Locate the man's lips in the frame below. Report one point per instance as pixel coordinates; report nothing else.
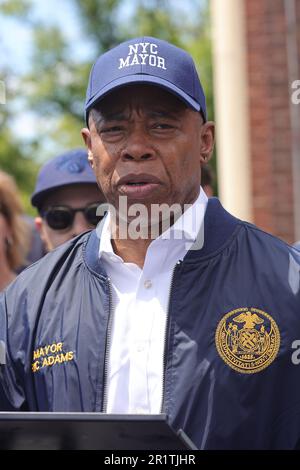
(138, 185)
(136, 178)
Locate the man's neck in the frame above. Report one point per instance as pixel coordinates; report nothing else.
(131, 251)
(134, 250)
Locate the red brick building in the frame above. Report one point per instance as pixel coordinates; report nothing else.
(266, 47)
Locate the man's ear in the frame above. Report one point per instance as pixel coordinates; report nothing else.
(38, 222)
(207, 141)
(86, 135)
(40, 227)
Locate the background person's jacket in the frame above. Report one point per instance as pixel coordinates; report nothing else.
(239, 389)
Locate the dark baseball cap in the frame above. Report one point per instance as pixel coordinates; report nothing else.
(146, 60)
(69, 168)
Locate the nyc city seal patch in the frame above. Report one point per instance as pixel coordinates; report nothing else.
(247, 339)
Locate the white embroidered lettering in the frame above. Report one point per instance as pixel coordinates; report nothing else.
(144, 46)
(152, 60)
(124, 63)
(133, 49)
(139, 55)
(135, 60)
(161, 63)
(153, 48)
(143, 57)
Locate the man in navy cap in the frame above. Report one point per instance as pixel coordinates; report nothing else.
(66, 196)
(184, 310)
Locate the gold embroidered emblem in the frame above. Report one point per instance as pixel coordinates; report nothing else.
(247, 339)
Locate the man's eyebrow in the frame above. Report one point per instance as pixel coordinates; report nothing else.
(123, 115)
(113, 116)
(173, 114)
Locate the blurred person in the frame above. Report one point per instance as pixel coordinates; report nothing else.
(66, 196)
(14, 231)
(207, 180)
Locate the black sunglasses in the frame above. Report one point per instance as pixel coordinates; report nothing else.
(62, 217)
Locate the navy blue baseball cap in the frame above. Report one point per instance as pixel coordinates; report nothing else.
(146, 60)
(69, 168)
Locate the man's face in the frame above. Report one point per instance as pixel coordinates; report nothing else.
(147, 145)
(74, 196)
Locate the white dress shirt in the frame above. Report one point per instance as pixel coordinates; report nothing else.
(140, 307)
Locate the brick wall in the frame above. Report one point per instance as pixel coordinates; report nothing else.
(269, 101)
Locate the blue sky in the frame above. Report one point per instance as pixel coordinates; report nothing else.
(16, 36)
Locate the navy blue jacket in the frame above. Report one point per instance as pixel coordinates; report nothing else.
(231, 380)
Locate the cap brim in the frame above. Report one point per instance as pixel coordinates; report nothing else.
(142, 78)
(38, 198)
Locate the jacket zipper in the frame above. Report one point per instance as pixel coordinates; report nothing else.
(108, 341)
(166, 337)
(107, 348)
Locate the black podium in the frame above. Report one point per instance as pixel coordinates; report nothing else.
(89, 431)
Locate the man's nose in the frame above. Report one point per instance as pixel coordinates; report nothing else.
(80, 224)
(138, 146)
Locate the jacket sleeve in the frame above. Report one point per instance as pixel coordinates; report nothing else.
(12, 397)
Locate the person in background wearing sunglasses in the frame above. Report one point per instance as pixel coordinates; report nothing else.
(66, 196)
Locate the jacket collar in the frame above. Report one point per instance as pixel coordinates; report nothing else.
(219, 226)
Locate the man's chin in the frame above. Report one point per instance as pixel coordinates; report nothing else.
(150, 214)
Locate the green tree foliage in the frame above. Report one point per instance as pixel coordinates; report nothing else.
(14, 161)
(54, 88)
(15, 156)
(100, 21)
(157, 18)
(19, 8)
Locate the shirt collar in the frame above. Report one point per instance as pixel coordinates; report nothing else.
(186, 226)
(190, 222)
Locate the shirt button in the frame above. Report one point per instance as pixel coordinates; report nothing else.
(140, 348)
(147, 284)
